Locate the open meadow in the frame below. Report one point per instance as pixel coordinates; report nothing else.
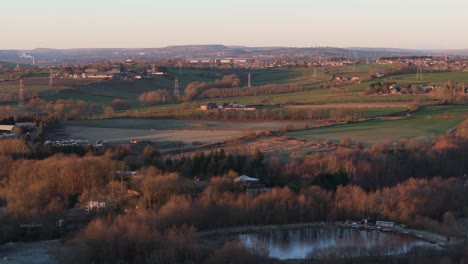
(373, 131)
(167, 132)
(442, 110)
(166, 139)
(316, 97)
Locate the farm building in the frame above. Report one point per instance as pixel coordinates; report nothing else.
(240, 60)
(199, 60)
(252, 185)
(94, 204)
(239, 107)
(6, 128)
(246, 179)
(209, 106)
(224, 61)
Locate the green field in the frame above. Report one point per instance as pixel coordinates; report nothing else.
(71, 94)
(36, 89)
(101, 91)
(104, 91)
(382, 130)
(186, 125)
(315, 97)
(420, 127)
(167, 132)
(291, 76)
(442, 110)
(440, 77)
(163, 137)
(407, 79)
(383, 111)
(12, 65)
(125, 89)
(302, 77)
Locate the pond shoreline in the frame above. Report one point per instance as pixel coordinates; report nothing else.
(414, 233)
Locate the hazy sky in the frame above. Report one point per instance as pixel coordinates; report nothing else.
(28, 24)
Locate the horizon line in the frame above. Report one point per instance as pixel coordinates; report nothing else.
(236, 46)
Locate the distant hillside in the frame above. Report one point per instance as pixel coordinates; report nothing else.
(7, 64)
(76, 56)
(12, 64)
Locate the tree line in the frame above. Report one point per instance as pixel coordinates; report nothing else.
(407, 182)
(178, 221)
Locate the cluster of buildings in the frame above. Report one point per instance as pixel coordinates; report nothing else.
(226, 107)
(430, 62)
(354, 79)
(72, 142)
(12, 73)
(116, 72)
(263, 62)
(9, 131)
(67, 142)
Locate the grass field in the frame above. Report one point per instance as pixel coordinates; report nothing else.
(301, 77)
(103, 92)
(125, 89)
(370, 109)
(440, 77)
(68, 94)
(321, 97)
(382, 130)
(167, 132)
(186, 125)
(187, 131)
(442, 110)
(36, 89)
(297, 76)
(124, 135)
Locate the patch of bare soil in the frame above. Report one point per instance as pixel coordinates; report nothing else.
(283, 145)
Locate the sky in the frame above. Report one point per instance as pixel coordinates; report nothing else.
(413, 24)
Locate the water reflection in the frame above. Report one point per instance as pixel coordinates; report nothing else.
(336, 242)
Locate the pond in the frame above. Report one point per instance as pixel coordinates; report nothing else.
(317, 243)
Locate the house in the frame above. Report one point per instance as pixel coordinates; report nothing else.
(252, 185)
(6, 128)
(95, 204)
(394, 89)
(239, 107)
(209, 106)
(157, 73)
(380, 75)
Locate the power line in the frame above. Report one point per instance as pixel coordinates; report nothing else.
(51, 79)
(21, 96)
(419, 72)
(176, 88)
